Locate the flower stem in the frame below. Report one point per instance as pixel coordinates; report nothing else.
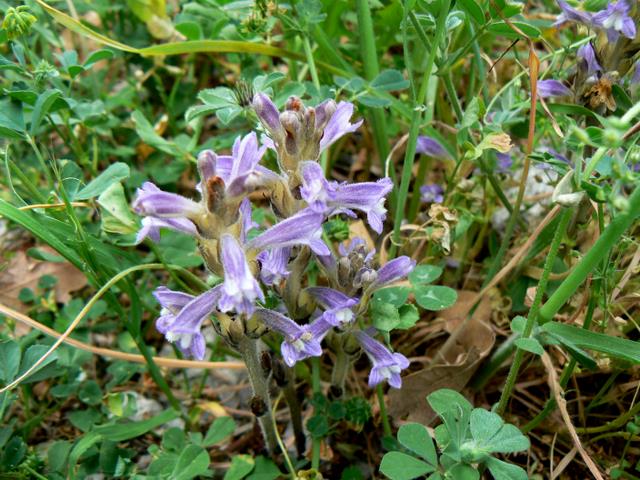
(340, 370)
(416, 118)
(386, 425)
(315, 387)
(533, 311)
(261, 401)
(371, 71)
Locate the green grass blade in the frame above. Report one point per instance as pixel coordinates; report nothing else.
(615, 347)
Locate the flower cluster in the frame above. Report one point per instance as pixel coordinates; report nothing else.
(274, 260)
(603, 60)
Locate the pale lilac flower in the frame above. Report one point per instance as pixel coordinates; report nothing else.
(300, 341)
(338, 306)
(552, 88)
(182, 316)
(386, 365)
(615, 20)
(268, 112)
(505, 162)
(152, 202)
(332, 198)
(635, 78)
(394, 270)
(240, 289)
(151, 227)
(430, 146)
(239, 171)
(303, 228)
(589, 62)
(274, 265)
(571, 14)
(432, 193)
(247, 222)
(339, 124)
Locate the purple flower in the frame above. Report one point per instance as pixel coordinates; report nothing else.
(571, 14)
(635, 78)
(394, 270)
(300, 341)
(588, 59)
(182, 316)
(274, 265)
(153, 202)
(430, 146)
(552, 88)
(240, 170)
(505, 162)
(240, 289)
(151, 227)
(301, 132)
(267, 111)
(247, 222)
(385, 364)
(615, 20)
(338, 125)
(432, 193)
(332, 198)
(303, 228)
(338, 306)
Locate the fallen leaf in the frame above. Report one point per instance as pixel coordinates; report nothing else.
(473, 345)
(25, 272)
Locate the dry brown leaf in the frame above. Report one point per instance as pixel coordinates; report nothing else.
(472, 346)
(24, 272)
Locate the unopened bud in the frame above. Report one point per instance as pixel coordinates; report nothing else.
(258, 406)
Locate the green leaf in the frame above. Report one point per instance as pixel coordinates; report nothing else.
(98, 55)
(508, 440)
(114, 173)
(416, 438)
(423, 274)
(9, 360)
(395, 296)
(435, 297)
(518, 324)
(390, 80)
(33, 223)
(530, 345)
(318, 426)
(445, 399)
(116, 213)
(46, 369)
(149, 136)
(385, 316)
(484, 424)
(192, 462)
(400, 466)
(501, 28)
(121, 431)
(241, 466)
(41, 108)
(615, 347)
(265, 469)
(409, 316)
(473, 9)
(220, 429)
(373, 102)
(463, 472)
(505, 471)
(90, 393)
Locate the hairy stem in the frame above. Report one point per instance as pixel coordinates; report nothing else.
(261, 401)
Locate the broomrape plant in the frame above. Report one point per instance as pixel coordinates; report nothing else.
(254, 264)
